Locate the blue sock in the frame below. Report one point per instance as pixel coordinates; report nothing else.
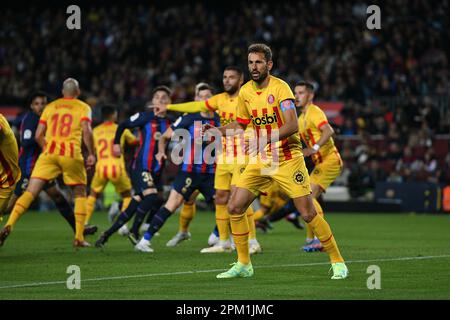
(157, 222)
(123, 218)
(216, 231)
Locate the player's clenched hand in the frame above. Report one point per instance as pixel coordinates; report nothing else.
(160, 157)
(308, 151)
(90, 161)
(117, 152)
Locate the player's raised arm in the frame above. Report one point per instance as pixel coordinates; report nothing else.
(189, 107)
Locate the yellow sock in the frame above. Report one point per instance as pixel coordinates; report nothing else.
(223, 221)
(251, 223)
(186, 215)
(309, 231)
(125, 203)
(80, 217)
(323, 231)
(90, 208)
(239, 229)
(22, 205)
(258, 215)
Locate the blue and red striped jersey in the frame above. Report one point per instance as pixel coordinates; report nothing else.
(29, 149)
(150, 128)
(194, 153)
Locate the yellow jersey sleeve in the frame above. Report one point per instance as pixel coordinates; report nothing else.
(213, 103)
(129, 137)
(243, 116)
(318, 118)
(45, 114)
(86, 114)
(189, 107)
(284, 92)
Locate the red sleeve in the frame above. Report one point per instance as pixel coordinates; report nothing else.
(243, 121)
(209, 106)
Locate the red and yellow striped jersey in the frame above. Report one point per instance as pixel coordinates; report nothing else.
(261, 107)
(63, 118)
(226, 108)
(107, 164)
(9, 156)
(309, 124)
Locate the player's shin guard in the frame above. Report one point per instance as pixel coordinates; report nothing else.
(90, 205)
(80, 217)
(144, 206)
(22, 205)
(309, 231)
(66, 211)
(323, 231)
(157, 222)
(186, 215)
(251, 223)
(223, 221)
(239, 230)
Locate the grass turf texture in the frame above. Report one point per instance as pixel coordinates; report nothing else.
(39, 250)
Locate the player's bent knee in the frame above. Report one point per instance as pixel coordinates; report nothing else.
(235, 209)
(222, 197)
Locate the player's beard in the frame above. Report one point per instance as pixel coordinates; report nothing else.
(261, 77)
(232, 90)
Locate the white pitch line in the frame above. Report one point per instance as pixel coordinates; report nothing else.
(38, 284)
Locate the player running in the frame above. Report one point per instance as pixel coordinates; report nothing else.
(62, 125)
(28, 154)
(202, 93)
(196, 171)
(228, 167)
(316, 133)
(9, 166)
(146, 171)
(267, 103)
(109, 167)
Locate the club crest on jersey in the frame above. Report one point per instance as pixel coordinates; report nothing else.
(298, 177)
(265, 119)
(270, 99)
(157, 135)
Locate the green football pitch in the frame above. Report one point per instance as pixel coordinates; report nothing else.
(411, 251)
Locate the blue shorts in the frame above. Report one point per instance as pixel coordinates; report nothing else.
(143, 180)
(187, 182)
(22, 184)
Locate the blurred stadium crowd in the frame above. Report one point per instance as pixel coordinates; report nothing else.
(394, 82)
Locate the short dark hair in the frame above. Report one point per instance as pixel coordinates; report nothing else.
(261, 48)
(202, 86)
(235, 69)
(35, 95)
(309, 86)
(108, 110)
(166, 89)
